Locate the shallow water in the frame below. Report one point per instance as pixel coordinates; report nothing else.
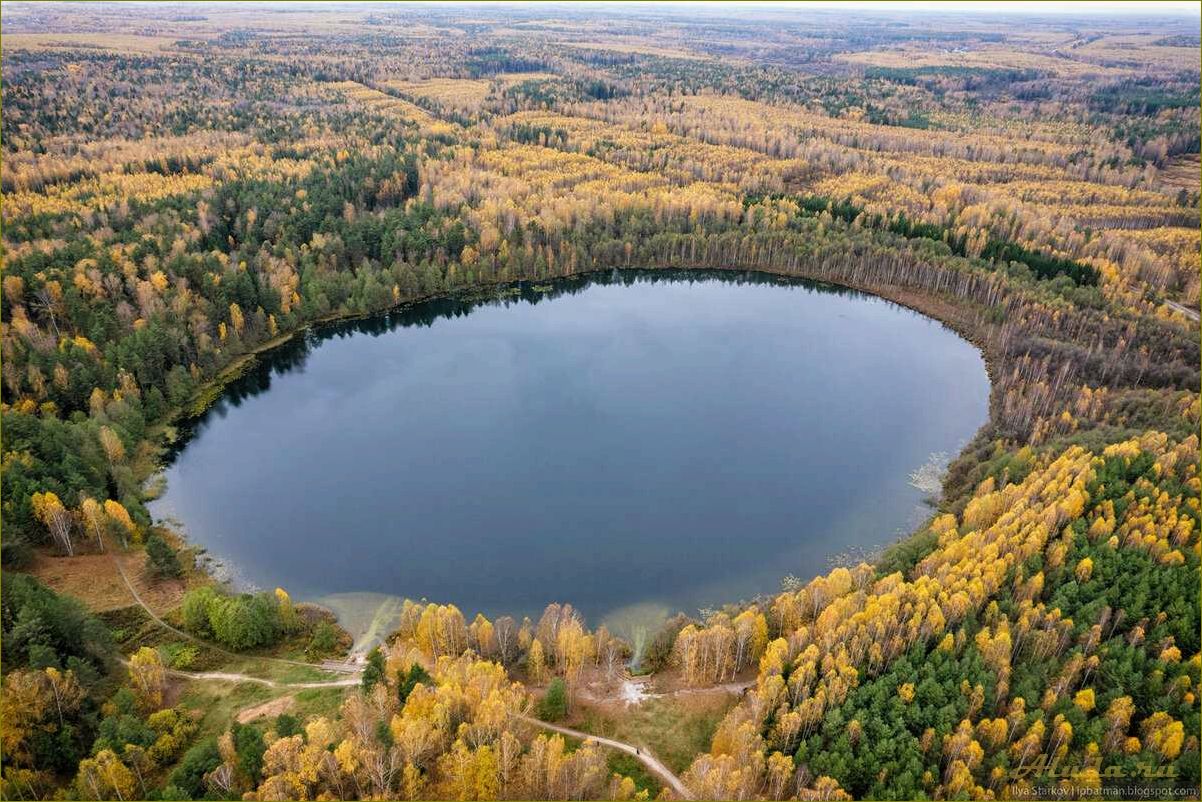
(674, 440)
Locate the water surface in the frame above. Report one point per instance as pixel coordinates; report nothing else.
(677, 440)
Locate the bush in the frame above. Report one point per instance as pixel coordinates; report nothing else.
(15, 552)
(249, 746)
(179, 655)
(195, 610)
(373, 672)
(323, 640)
(42, 656)
(286, 725)
(236, 622)
(161, 559)
(554, 705)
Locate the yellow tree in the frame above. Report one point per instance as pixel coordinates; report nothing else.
(1118, 719)
(751, 636)
(237, 318)
(780, 775)
(50, 511)
(1163, 734)
(114, 449)
(440, 630)
(481, 632)
(288, 616)
(536, 663)
(93, 516)
(1084, 570)
(118, 514)
(105, 777)
(24, 705)
(573, 648)
(148, 678)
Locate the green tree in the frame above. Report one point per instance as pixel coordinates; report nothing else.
(161, 558)
(408, 680)
(249, 745)
(373, 672)
(244, 622)
(554, 704)
(323, 640)
(198, 761)
(195, 610)
(41, 625)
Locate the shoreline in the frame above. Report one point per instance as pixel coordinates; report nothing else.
(945, 312)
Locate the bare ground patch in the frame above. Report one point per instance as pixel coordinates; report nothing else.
(94, 580)
(269, 709)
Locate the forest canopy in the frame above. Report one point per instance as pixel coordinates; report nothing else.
(186, 186)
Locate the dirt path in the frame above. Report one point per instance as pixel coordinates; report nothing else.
(224, 676)
(649, 760)
(736, 688)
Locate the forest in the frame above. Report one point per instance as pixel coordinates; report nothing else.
(187, 186)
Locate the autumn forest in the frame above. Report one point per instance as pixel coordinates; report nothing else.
(191, 189)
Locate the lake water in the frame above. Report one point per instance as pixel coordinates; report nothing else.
(631, 440)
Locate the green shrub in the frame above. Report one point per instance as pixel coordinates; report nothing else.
(198, 761)
(161, 559)
(195, 610)
(286, 725)
(179, 655)
(373, 672)
(323, 640)
(554, 704)
(238, 622)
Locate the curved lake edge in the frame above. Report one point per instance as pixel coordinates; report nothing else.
(929, 306)
(214, 389)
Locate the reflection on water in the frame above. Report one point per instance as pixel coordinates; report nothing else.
(632, 450)
(292, 355)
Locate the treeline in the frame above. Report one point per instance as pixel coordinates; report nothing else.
(1044, 266)
(203, 310)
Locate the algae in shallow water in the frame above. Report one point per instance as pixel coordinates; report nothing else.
(369, 617)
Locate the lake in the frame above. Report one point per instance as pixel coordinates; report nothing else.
(628, 440)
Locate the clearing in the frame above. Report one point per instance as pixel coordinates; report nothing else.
(91, 579)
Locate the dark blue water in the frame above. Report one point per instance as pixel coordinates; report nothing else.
(681, 439)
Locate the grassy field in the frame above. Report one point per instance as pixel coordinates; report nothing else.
(675, 729)
(221, 701)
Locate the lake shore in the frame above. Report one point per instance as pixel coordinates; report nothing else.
(956, 316)
(529, 290)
